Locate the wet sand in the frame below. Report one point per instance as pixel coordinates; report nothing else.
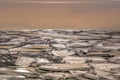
(78, 14)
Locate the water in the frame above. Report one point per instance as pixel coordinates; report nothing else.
(83, 14)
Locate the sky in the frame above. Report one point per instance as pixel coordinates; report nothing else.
(62, 14)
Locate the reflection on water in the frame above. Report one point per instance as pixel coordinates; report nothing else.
(63, 13)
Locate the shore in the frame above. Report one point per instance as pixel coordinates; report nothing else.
(58, 54)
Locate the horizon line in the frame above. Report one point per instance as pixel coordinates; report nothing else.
(60, 2)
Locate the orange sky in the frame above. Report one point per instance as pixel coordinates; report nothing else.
(29, 15)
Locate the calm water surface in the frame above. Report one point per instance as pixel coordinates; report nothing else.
(82, 14)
